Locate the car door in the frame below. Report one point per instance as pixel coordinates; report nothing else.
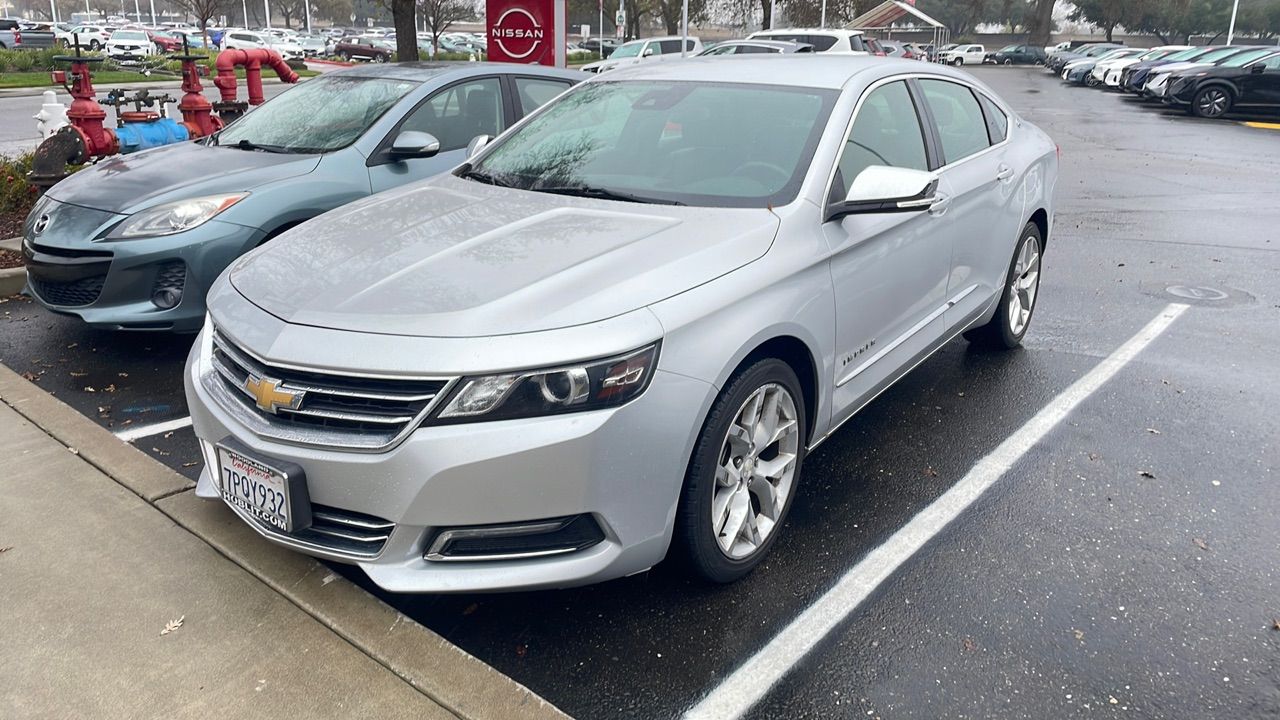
(453, 114)
(985, 214)
(1261, 88)
(889, 270)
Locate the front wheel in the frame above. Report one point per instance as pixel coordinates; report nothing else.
(1018, 301)
(94, 44)
(1212, 102)
(743, 474)
(1091, 80)
(379, 58)
(1008, 61)
(958, 61)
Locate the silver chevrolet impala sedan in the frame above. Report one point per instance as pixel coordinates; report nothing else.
(614, 333)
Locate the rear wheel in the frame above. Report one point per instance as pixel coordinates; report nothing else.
(1018, 302)
(379, 58)
(743, 474)
(1211, 102)
(345, 55)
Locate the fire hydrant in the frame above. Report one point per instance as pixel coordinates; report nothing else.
(52, 115)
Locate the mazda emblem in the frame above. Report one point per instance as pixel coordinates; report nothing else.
(42, 222)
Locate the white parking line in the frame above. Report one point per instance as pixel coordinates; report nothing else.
(754, 678)
(141, 431)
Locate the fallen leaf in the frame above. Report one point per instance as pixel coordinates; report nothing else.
(1079, 635)
(172, 625)
(72, 345)
(77, 374)
(970, 645)
(193, 463)
(1200, 543)
(168, 435)
(109, 388)
(1147, 474)
(73, 451)
(930, 472)
(1153, 431)
(6, 548)
(29, 376)
(1112, 699)
(89, 388)
(122, 374)
(1275, 622)
(1093, 456)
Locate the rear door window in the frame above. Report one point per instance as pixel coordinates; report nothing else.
(536, 92)
(997, 121)
(962, 128)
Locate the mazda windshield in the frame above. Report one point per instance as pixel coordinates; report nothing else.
(680, 143)
(320, 115)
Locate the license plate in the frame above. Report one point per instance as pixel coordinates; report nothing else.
(275, 496)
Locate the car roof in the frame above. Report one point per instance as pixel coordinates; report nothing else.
(428, 70)
(815, 70)
(809, 31)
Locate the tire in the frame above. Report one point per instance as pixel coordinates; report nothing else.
(346, 56)
(1212, 102)
(1001, 332)
(700, 534)
(1008, 61)
(958, 62)
(94, 45)
(379, 58)
(1091, 81)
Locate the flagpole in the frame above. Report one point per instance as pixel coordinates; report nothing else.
(1231, 33)
(684, 27)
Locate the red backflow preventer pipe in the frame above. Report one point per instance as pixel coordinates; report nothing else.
(252, 61)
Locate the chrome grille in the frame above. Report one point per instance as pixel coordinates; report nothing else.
(347, 532)
(363, 413)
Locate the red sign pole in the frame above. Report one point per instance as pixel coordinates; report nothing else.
(526, 31)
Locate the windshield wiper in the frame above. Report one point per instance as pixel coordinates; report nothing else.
(246, 145)
(603, 194)
(483, 177)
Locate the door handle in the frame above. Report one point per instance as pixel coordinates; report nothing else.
(1004, 173)
(940, 204)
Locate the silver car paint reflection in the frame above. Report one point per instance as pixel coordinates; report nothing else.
(713, 284)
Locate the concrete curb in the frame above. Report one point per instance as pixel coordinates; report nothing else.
(12, 280)
(446, 674)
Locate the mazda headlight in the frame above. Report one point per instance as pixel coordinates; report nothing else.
(175, 217)
(572, 388)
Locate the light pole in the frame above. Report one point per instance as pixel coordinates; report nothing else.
(266, 7)
(684, 28)
(153, 12)
(824, 14)
(1231, 32)
(244, 8)
(306, 4)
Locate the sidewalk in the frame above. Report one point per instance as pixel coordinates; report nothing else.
(103, 547)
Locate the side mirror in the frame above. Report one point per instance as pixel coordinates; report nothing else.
(477, 144)
(647, 52)
(1258, 69)
(414, 144)
(883, 189)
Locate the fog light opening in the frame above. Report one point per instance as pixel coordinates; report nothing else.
(515, 541)
(167, 298)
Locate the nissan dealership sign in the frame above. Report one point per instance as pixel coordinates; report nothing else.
(526, 31)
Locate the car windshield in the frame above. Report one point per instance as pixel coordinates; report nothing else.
(128, 35)
(627, 50)
(1245, 58)
(1217, 55)
(707, 144)
(320, 115)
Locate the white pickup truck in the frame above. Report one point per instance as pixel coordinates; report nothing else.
(962, 54)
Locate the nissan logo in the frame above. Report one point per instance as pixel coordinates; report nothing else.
(42, 222)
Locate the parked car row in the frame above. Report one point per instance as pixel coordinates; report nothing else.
(1208, 81)
(555, 357)
(778, 41)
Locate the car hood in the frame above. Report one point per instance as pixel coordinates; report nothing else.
(128, 183)
(1176, 67)
(454, 258)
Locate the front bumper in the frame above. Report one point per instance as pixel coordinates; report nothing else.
(623, 467)
(110, 284)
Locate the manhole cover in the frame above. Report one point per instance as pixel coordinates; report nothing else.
(1196, 292)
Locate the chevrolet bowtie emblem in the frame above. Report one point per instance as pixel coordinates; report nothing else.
(268, 395)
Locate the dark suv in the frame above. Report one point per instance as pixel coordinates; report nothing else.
(1018, 55)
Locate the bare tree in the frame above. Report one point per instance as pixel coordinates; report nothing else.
(202, 10)
(440, 16)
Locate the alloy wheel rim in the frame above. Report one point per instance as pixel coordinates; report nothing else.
(755, 471)
(1213, 103)
(1024, 286)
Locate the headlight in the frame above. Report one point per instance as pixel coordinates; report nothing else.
(573, 388)
(175, 217)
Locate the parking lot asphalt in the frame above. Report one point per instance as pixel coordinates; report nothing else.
(1125, 564)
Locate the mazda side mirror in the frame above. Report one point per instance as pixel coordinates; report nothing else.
(883, 189)
(477, 144)
(414, 144)
(1257, 69)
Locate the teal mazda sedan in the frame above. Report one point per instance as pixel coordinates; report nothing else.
(135, 241)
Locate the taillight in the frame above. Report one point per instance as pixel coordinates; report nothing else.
(17, 37)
